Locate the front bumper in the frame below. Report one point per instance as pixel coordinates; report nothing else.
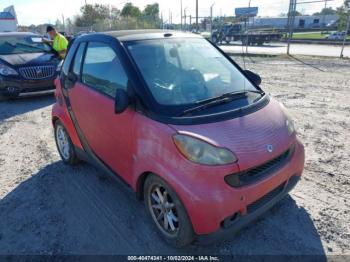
(265, 203)
(210, 201)
(15, 86)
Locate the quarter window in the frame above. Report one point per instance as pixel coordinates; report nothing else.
(102, 69)
(78, 58)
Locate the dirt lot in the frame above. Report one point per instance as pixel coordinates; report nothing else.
(49, 208)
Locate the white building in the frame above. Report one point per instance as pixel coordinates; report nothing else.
(8, 20)
(301, 22)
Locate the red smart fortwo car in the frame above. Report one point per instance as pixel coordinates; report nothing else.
(181, 123)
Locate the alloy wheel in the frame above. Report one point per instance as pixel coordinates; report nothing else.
(163, 210)
(63, 142)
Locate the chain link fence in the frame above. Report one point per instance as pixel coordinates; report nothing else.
(122, 23)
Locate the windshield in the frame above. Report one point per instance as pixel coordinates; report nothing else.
(186, 71)
(18, 44)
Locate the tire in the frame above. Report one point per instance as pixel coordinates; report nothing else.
(180, 233)
(64, 145)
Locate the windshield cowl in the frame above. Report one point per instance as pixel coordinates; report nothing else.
(223, 99)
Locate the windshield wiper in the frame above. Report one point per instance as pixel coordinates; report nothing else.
(230, 94)
(225, 98)
(10, 44)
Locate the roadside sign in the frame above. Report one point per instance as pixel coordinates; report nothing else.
(246, 11)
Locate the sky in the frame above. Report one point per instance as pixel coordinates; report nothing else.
(48, 11)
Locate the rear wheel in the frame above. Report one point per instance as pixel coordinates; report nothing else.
(64, 145)
(167, 212)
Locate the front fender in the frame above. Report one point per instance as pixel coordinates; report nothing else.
(199, 187)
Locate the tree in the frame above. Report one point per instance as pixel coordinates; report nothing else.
(326, 11)
(343, 15)
(152, 10)
(58, 24)
(115, 13)
(90, 14)
(69, 26)
(129, 10)
(295, 13)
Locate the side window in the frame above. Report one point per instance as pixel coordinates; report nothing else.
(78, 58)
(68, 60)
(102, 69)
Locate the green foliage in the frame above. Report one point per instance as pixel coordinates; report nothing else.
(100, 17)
(129, 10)
(343, 15)
(90, 14)
(296, 13)
(327, 11)
(151, 10)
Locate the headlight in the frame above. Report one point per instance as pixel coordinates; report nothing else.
(7, 71)
(201, 152)
(289, 121)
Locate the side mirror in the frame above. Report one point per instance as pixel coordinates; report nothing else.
(255, 78)
(122, 101)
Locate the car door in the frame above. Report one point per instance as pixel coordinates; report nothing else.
(98, 74)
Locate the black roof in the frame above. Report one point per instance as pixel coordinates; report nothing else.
(131, 35)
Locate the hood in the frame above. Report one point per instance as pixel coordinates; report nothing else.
(28, 58)
(248, 136)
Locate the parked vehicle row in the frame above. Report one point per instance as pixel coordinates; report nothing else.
(192, 133)
(236, 32)
(336, 36)
(26, 64)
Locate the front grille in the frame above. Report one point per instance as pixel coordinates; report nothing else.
(265, 199)
(255, 174)
(37, 72)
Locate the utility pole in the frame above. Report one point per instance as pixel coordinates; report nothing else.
(346, 34)
(291, 20)
(324, 15)
(185, 19)
(211, 20)
(197, 26)
(247, 18)
(63, 23)
(169, 18)
(190, 22)
(181, 15)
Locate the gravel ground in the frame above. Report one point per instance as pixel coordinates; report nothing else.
(49, 208)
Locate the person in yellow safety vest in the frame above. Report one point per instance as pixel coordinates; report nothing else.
(58, 42)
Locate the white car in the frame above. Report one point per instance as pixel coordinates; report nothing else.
(336, 36)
